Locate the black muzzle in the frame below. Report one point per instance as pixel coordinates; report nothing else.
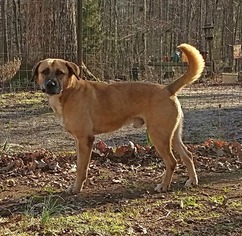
(51, 87)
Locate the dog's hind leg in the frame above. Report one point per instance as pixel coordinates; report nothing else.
(185, 155)
(162, 143)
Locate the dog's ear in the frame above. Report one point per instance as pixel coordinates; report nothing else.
(73, 69)
(35, 70)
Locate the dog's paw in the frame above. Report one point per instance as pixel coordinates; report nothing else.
(191, 183)
(73, 189)
(158, 188)
(161, 189)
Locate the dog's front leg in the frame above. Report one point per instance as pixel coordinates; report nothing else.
(84, 149)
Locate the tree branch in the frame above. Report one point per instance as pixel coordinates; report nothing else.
(87, 74)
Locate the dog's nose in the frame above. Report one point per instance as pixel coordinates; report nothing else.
(51, 83)
(51, 87)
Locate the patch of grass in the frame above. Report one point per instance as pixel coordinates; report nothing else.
(188, 214)
(101, 223)
(25, 223)
(52, 216)
(148, 139)
(227, 189)
(235, 205)
(49, 189)
(90, 222)
(5, 146)
(21, 98)
(51, 206)
(44, 208)
(190, 202)
(104, 175)
(218, 200)
(207, 215)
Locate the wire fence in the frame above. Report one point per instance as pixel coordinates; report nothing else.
(121, 40)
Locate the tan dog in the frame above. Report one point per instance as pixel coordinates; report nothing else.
(87, 108)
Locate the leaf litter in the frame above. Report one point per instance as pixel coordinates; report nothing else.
(211, 155)
(116, 167)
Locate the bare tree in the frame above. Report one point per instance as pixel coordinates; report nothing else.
(117, 35)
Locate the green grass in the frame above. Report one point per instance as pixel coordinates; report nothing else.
(85, 223)
(5, 146)
(218, 200)
(52, 220)
(49, 189)
(236, 205)
(50, 207)
(45, 208)
(21, 97)
(52, 215)
(190, 202)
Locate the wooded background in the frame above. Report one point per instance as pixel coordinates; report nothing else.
(118, 35)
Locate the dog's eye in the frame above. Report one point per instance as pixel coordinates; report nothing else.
(46, 71)
(59, 73)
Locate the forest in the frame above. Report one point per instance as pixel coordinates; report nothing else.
(118, 35)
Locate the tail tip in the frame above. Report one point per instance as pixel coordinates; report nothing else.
(191, 50)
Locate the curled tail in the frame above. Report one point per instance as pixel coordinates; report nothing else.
(195, 68)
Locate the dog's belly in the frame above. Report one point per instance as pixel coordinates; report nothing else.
(112, 126)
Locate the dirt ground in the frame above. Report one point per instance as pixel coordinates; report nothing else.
(30, 131)
(122, 185)
(210, 112)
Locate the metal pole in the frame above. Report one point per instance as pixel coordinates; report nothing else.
(79, 32)
(210, 56)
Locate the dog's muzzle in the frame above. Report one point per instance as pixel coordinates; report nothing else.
(51, 87)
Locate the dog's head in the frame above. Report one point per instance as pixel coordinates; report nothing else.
(52, 75)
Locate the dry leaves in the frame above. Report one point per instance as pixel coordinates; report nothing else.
(212, 155)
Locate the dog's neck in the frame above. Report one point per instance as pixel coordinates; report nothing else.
(55, 104)
(73, 83)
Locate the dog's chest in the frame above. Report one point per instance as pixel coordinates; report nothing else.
(55, 104)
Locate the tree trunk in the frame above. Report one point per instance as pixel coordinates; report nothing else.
(4, 26)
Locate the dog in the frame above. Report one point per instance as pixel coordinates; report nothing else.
(87, 108)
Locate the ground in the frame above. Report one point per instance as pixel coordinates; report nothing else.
(210, 112)
(119, 197)
(37, 164)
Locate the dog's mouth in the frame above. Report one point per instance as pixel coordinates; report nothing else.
(51, 87)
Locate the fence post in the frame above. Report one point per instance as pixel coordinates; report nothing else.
(79, 34)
